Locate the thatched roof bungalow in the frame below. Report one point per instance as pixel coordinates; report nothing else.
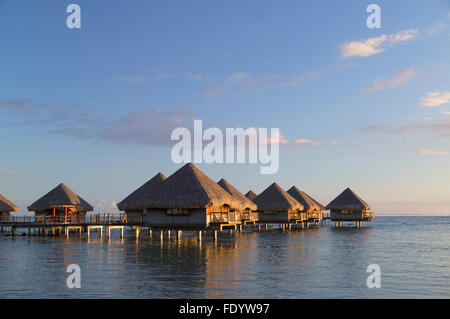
(245, 203)
(275, 205)
(187, 198)
(134, 204)
(247, 206)
(6, 207)
(251, 195)
(60, 201)
(312, 207)
(348, 206)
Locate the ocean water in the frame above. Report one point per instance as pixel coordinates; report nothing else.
(327, 262)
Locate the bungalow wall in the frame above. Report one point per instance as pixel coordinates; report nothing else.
(345, 215)
(160, 218)
(279, 217)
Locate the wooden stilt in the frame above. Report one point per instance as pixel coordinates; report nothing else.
(199, 237)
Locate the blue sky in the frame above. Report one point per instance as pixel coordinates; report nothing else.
(94, 107)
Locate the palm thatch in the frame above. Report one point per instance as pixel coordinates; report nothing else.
(308, 203)
(189, 187)
(251, 195)
(274, 198)
(136, 200)
(60, 196)
(244, 201)
(348, 200)
(6, 206)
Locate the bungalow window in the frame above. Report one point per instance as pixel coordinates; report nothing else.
(177, 211)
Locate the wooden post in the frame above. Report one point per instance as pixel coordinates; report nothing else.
(54, 214)
(199, 235)
(121, 232)
(215, 235)
(150, 232)
(137, 232)
(179, 232)
(162, 235)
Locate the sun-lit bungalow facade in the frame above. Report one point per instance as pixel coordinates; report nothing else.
(6, 208)
(275, 205)
(61, 202)
(247, 212)
(188, 199)
(348, 206)
(312, 208)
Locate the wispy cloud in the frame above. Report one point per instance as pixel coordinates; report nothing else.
(194, 77)
(428, 152)
(151, 127)
(306, 142)
(13, 172)
(433, 99)
(372, 46)
(397, 80)
(245, 82)
(439, 128)
(436, 28)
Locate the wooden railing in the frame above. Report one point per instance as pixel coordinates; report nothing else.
(84, 219)
(315, 215)
(225, 218)
(249, 216)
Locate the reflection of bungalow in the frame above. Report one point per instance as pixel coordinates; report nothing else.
(275, 205)
(312, 208)
(349, 207)
(186, 199)
(247, 206)
(6, 208)
(251, 195)
(134, 205)
(61, 201)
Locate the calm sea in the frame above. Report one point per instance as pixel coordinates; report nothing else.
(412, 252)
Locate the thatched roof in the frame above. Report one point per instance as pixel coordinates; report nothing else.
(251, 195)
(6, 205)
(60, 196)
(244, 201)
(137, 199)
(308, 203)
(347, 200)
(189, 187)
(275, 198)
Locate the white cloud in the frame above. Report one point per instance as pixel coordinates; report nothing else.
(399, 79)
(372, 46)
(428, 152)
(436, 99)
(305, 141)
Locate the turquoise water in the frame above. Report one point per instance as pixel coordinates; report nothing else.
(412, 252)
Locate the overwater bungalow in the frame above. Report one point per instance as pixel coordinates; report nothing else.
(251, 195)
(312, 208)
(187, 199)
(247, 212)
(349, 207)
(61, 202)
(134, 204)
(6, 208)
(276, 206)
